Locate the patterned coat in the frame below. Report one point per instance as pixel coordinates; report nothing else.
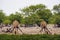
(15, 23)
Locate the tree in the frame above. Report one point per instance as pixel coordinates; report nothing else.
(17, 16)
(22, 21)
(54, 19)
(37, 11)
(56, 8)
(7, 22)
(28, 10)
(2, 16)
(44, 14)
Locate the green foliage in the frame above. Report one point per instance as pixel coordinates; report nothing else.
(29, 37)
(57, 8)
(22, 21)
(45, 14)
(16, 16)
(2, 16)
(33, 8)
(37, 12)
(54, 19)
(33, 14)
(7, 22)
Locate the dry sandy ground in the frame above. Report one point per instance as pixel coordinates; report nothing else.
(35, 30)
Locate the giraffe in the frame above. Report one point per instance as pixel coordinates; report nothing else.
(15, 27)
(43, 25)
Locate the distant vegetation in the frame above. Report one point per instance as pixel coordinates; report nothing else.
(33, 15)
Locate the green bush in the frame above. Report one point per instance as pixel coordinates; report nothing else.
(7, 21)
